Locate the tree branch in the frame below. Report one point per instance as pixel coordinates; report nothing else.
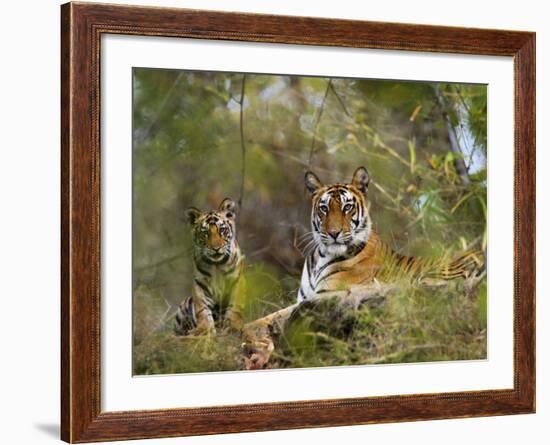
(455, 147)
(258, 335)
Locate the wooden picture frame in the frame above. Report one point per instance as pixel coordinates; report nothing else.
(82, 26)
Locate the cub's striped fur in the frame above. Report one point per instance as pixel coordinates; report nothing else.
(348, 252)
(218, 292)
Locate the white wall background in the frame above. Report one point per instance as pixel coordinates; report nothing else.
(29, 219)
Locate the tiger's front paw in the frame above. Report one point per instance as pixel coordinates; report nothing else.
(257, 346)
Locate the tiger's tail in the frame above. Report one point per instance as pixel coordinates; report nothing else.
(467, 265)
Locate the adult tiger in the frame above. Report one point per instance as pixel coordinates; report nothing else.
(218, 291)
(349, 253)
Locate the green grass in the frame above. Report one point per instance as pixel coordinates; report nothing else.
(413, 325)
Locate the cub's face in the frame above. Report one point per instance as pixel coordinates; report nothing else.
(339, 212)
(214, 231)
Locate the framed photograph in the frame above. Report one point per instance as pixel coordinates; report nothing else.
(275, 222)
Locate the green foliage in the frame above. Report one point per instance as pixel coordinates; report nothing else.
(188, 151)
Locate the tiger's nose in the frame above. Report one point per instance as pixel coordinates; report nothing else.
(334, 234)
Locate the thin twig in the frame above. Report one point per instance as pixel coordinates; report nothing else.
(162, 319)
(340, 100)
(281, 154)
(319, 115)
(243, 147)
(164, 261)
(289, 270)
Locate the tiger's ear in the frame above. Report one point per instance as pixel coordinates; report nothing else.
(192, 214)
(228, 206)
(361, 179)
(312, 182)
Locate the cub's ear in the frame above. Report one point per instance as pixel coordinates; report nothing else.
(228, 206)
(312, 182)
(192, 214)
(361, 179)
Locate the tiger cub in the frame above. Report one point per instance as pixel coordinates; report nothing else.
(348, 252)
(218, 291)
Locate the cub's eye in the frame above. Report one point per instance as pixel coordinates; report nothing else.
(323, 208)
(348, 207)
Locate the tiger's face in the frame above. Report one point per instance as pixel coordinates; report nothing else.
(340, 212)
(214, 231)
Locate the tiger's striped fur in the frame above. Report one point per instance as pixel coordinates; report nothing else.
(349, 253)
(218, 291)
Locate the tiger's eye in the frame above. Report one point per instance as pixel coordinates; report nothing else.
(348, 208)
(323, 208)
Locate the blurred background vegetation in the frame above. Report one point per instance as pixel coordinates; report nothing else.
(201, 136)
